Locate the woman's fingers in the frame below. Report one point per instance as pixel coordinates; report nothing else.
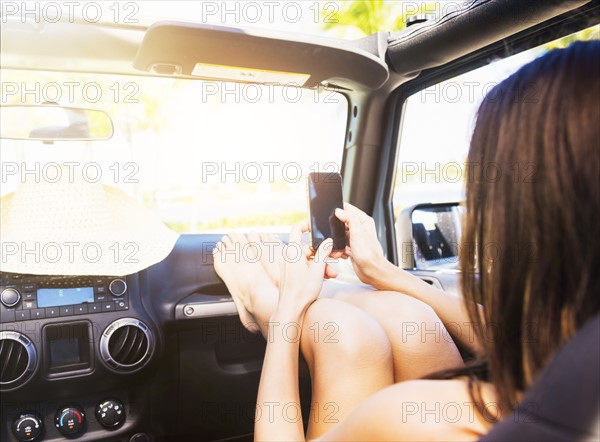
(295, 235)
(330, 273)
(341, 215)
(297, 231)
(322, 254)
(354, 214)
(351, 216)
(295, 239)
(308, 252)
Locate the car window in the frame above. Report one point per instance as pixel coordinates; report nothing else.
(438, 122)
(437, 125)
(204, 155)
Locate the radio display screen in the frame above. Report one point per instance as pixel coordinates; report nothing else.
(64, 296)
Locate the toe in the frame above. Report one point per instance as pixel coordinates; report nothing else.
(226, 240)
(248, 320)
(253, 237)
(269, 238)
(238, 238)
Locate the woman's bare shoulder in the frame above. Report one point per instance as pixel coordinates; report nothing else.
(417, 410)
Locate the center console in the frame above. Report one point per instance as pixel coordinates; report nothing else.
(86, 342)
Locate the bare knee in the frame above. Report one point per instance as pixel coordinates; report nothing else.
(405, 317)
(337, 330)
(420, 341)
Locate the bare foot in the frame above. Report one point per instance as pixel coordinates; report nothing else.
(237, 262)
(271, 254)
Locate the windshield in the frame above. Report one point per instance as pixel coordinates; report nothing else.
(345, 19)
(204, 155)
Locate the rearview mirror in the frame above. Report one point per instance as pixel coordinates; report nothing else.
(51, 122)
(429, 236)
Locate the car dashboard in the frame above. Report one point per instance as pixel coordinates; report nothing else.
(119, 357)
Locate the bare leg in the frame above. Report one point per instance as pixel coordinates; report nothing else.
(420, 342)
(372, 338)
(349, 357)
(337, 338)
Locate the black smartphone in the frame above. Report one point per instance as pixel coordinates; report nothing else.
(324, 196)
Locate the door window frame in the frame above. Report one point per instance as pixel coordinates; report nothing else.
(542, 33)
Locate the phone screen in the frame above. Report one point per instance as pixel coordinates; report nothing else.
(325, 195)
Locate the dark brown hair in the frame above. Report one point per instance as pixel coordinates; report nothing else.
(530, 250)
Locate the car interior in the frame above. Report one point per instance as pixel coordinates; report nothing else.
(158, 352)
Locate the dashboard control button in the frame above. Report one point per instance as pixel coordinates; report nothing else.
(121, 305)
(27, 427)
(95, 307)
(29, 296)
(117, 287)
(29, 305)
(38, 313)
(80, 309)
(7, 315)
(69, 420)
(29, 287)
(66, 310)
(110, 413)
(108, 306)
(22, 315)
(10, 297)
(52, 312)
(101, 298)
(101, 289)
(140, 437)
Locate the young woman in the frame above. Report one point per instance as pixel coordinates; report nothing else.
(520, 304)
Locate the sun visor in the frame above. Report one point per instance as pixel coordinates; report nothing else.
(231, 54)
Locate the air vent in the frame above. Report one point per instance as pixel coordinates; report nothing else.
(18, 359)
(126, 345)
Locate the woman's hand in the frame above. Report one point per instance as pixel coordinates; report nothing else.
(301, 276)
(362, 245)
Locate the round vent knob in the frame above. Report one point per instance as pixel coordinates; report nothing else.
(126, 345)
(117, 287)
(10, 297)
(18, 359)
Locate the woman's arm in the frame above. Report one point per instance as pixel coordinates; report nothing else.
(374, 269)
(279, 416)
